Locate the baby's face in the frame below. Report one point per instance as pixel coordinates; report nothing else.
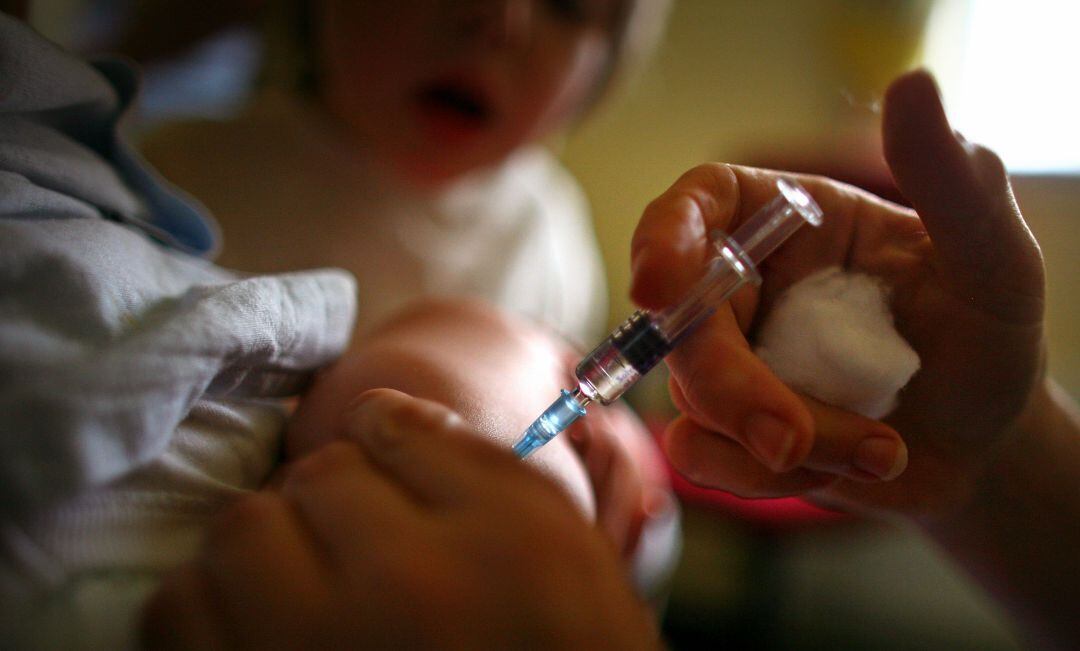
(437, 88)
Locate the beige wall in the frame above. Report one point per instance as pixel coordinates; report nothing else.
(1051, 206)
(741, 76)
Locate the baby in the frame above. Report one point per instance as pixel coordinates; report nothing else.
(142, 386)
(400, 141)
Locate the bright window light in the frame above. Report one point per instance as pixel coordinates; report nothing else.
(1009, 72)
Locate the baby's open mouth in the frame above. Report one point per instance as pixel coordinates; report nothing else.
(453, 100)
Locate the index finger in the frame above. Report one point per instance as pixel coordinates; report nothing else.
(433, 453)
(671, 244)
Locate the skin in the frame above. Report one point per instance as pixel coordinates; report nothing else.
(535, 63)
(382, 546)
(498, 372)
(395, 535)
(982, 451)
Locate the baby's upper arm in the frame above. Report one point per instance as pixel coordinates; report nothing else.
(497, 371)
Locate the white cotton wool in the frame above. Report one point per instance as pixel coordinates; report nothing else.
(831, 336)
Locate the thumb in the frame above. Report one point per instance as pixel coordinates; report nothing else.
(962, 194)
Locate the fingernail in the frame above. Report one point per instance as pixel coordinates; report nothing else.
(655, 503)
(359, 403)
(369, 427)
(884, 458)
(771, 439)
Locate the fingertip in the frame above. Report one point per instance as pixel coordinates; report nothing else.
(670, 242)
(915, 89)
(359, 408)
(913, 83)
(385, 421)
(883, 457)
(914, 120)
(662, 270)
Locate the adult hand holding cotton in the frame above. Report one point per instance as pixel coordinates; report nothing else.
(963, 279)
(993, 447)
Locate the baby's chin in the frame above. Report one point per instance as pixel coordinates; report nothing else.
(446, 168)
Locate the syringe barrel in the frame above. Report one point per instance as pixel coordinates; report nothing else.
(646, 338)
(622, 358)
(726, 273)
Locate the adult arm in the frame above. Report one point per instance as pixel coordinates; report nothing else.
(1018, 533)
(979, 451)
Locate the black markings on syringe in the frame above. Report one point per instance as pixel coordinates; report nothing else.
(641, 342)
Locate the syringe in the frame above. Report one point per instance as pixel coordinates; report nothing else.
(645, 338)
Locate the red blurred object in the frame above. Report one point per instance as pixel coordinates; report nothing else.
(781, 513)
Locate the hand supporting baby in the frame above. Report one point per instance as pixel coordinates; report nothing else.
(406, 531)
(432, 513)
(500, 373)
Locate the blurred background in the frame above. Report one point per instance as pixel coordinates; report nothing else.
(790, 84)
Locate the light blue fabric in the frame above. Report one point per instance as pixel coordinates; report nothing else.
(109, 329)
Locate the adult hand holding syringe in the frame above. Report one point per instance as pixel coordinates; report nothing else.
(992, 445)
(742, 428)
(636, 346)
(966, 285)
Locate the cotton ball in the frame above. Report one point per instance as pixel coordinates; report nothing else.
(831, 336)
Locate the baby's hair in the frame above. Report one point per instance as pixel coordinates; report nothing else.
(290, 45)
